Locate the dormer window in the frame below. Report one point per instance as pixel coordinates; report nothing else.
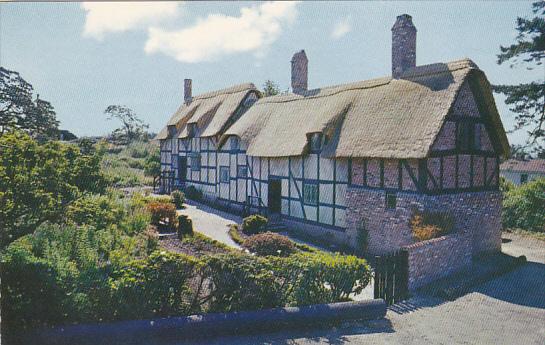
(315, 142)
(191, 129)
(171, 131)
(235, 144)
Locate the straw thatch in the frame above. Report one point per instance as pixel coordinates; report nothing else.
(210, 111)
(386, 118)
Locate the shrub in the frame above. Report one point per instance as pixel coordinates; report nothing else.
(242, 282)
(162, 214)
(155, 286)
(193, 193)
(269, 243)
(178, 198)
(523, 207)
(185, 226)
(235, 234)
(428, 225)
(254, 224)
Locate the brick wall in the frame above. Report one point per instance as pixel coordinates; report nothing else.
(437, 258)
(477, 214)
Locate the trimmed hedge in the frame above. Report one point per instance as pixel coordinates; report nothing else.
(269, 243)
(193, 193)
(162, 214)
(254, 224)
(166, 284)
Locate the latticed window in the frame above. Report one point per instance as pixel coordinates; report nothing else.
(242, 171)
(224, 174)
(310, 193)
(195, 161)
(466, 136)
(315, 142)
(235, 143)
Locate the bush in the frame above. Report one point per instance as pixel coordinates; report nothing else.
(162, 214)
(254, 224)
(185, 226)
(428, 225)
(152, 287)
(193, 193)
(242, 282)
(524, 206)
(235, 235)
(269, 243)
(178, 198)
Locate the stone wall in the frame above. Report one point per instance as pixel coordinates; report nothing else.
(477, 214)
(437, 258)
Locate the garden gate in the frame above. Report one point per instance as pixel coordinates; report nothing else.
(392, 276)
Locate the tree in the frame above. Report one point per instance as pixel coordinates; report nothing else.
(270, 88)
(132, 127)
(152, 165)
(519, 152)
(18, 109)
(527, 100)
(39, 181)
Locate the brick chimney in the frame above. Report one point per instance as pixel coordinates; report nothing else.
(299, 72)
(187, 91)
(403, 45)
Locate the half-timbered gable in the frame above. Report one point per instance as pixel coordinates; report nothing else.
(189, 141)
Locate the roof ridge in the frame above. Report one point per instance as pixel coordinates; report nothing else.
(418, 71)
(225, 91)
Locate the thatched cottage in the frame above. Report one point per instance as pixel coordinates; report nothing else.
(354, 160)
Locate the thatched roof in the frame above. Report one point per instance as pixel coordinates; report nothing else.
(386, 118)
(210, 111)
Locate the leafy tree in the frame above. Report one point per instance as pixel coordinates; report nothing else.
(519, 152)
(270, 88)
(38, 182)
(18, 109)
(527, 100)
(131, 126)
(152, 165)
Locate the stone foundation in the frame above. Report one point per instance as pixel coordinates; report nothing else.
(477, 214)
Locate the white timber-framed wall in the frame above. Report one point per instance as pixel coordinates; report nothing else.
(324, 179)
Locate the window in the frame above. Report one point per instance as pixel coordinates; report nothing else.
(242, 171)
(315, 142)
(224, 174)
(195, 161)
(191, 129)
(391, 200)
(466, 136)
(310, 193)
(171, 131)
(477, 141)
(234, 143)
(523, 178)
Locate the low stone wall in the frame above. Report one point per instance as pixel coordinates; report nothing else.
(437, 258)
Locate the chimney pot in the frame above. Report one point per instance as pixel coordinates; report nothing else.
(403, 45)
(299, 72)
(187, 91)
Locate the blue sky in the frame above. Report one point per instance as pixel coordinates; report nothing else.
(84, 57)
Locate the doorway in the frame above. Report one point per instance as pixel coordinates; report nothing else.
(182, 169)
(275, 195)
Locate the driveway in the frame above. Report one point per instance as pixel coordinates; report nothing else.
(507, 310)
(211, 222)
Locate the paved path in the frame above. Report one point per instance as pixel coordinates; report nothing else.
(211, 222)
(506, 310)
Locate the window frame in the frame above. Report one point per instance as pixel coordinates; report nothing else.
(390, 200)
(306, 194)
(239, 175)
(235, 144)
(195, 157)
(224, 168)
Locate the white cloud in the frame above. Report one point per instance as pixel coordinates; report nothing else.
(341, 28)
(254, 30)
(105, 17)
